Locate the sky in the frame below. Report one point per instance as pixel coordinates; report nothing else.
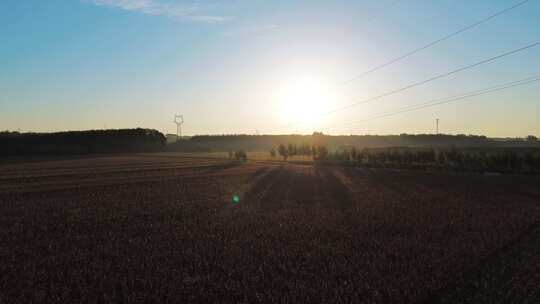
(276, 67)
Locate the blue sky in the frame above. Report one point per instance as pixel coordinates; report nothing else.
(91, 64)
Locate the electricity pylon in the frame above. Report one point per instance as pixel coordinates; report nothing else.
(178, 120)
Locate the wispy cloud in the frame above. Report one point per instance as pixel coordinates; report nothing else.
(186, 10)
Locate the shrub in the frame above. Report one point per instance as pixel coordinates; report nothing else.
(240, 155)
(283, 151)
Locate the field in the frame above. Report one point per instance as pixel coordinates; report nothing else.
(163, 227)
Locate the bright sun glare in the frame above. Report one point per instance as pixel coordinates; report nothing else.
(304, 99)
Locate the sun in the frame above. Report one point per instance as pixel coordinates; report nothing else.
(304, 99)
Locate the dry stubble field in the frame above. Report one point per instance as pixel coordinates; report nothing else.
(163, 228)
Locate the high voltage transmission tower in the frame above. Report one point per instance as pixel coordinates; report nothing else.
(179, 121)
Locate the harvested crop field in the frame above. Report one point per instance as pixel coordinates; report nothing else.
(164, 228)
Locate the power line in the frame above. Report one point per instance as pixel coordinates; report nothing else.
(470, 66)
(435, 77)
(430, 44)
(476, 92)
(418, 83)
(452, 99)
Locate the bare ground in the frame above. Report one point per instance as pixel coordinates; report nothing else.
(164, 229)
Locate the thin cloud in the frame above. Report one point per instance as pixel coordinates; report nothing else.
(187, 10)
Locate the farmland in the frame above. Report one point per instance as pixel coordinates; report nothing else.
(162, 227)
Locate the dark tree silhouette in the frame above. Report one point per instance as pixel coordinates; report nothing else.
(81, 142)
(240, 155)
(272, 153)
(283, 151)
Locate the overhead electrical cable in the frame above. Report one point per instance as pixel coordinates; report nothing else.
(450, 99)
(432, 43)
(433, 78)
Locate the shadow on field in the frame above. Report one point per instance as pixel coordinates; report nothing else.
(293, 186)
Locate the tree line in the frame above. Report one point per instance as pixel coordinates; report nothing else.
(503, 160)
(239, 155)
(233, 142)
(81, 142)
(509, 160)
(304, 150)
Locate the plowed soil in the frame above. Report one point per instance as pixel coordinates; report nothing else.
(164, 228)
